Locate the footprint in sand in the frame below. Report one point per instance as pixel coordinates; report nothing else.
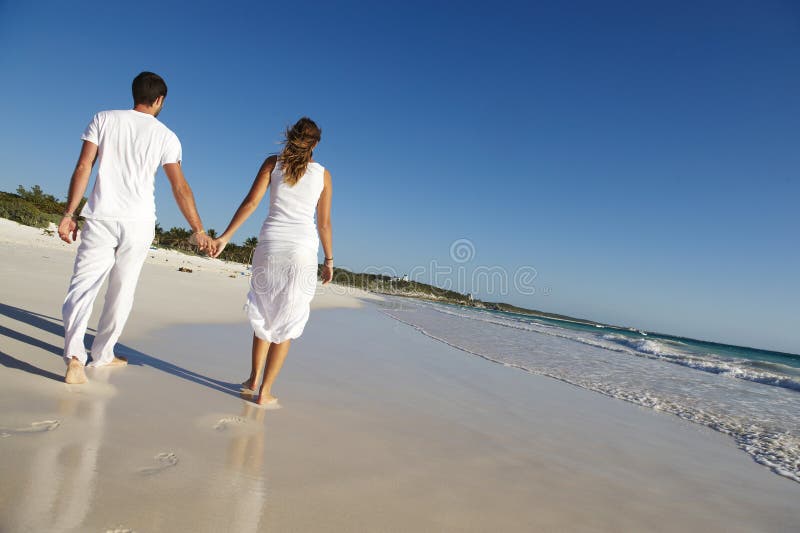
(35, 427)
(165, 460)
(223, 423)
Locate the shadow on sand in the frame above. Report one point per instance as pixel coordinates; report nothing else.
(53, 325)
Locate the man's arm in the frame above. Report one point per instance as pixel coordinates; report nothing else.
(68, 228)
(185, 200)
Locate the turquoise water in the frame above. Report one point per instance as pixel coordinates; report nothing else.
(704, 355)
(749, 394)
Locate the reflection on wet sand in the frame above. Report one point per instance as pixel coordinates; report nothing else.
(77, 479)
(64, 489)
(61, 481)
(244, 464)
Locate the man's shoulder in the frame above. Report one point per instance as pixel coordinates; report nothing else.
(110, 113)
(167, 132)
(109, 117)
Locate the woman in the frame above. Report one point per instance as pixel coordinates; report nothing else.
(284, 274)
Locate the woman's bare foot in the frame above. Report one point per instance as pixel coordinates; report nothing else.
(266, 399)
(75, 372)
(248, 386)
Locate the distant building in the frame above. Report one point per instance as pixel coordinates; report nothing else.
(469, 296)
(405, 277)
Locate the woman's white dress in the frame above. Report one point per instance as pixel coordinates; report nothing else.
(284, 274)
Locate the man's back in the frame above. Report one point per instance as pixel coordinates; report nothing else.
(131, 147)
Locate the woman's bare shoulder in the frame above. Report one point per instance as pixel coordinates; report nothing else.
(268, 165)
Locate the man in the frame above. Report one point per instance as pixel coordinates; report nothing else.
(129, 146)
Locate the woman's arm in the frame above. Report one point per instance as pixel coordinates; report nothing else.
(324, 227)
(249, 204)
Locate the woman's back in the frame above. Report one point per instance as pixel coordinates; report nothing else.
(292, 208)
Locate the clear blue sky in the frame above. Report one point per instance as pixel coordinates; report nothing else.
(642, 156)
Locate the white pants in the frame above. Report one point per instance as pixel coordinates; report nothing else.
(112, 249)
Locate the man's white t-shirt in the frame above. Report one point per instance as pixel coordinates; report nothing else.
(131, 147)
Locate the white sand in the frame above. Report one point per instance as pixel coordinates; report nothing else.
(381, 429)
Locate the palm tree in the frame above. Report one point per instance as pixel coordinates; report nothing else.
(159, 234)
(177, 238)
(250, 244)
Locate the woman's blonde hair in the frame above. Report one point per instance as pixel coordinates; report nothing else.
(296, 154)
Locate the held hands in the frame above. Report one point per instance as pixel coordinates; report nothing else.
(212, 247)
(203, 242)
(68, 228)
(218, 246)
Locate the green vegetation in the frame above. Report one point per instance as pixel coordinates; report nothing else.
(32, 207)
(388, 285)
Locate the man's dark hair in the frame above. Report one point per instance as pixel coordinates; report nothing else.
(147, 87)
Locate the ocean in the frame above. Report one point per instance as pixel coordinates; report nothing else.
(749, 394)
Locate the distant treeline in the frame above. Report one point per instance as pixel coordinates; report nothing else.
(36, 208)
(391, 285)
(178, 239)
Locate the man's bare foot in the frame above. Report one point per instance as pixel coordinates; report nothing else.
(115, 362)
(266, 399)
(75, 372)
